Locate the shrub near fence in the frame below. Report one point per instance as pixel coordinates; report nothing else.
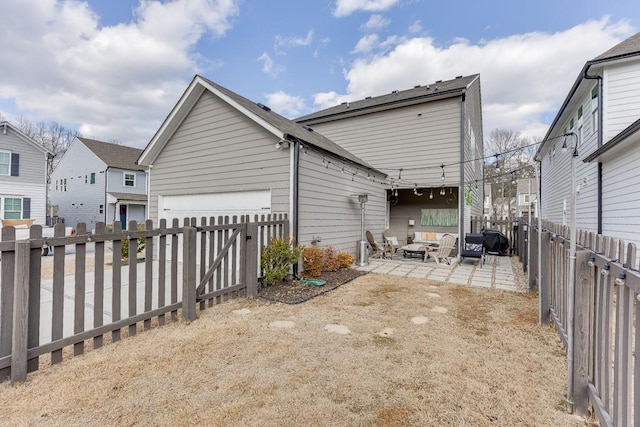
(606, 327)
(220, 259)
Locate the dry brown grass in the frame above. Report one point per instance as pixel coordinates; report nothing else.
(483, 362)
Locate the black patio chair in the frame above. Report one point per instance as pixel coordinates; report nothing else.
(473, 247)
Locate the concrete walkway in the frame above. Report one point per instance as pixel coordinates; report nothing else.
(496, 273)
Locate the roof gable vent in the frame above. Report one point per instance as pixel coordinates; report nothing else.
(264, 107)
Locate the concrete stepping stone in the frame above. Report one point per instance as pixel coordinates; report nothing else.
(282, 324)
(441, 310)
(242, 312)
(419, 320)
(433, 295)
(337, 329)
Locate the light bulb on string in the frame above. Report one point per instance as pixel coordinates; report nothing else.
(442, 177)
(431, 194)
(442, 191)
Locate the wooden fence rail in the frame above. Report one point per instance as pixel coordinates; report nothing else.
(606, 326)
(183, 268)
(507, 226)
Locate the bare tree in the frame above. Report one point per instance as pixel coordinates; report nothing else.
(508, 158)
(52, 135)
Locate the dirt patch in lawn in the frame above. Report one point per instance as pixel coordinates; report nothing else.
(376, 351)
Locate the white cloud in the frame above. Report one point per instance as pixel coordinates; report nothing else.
(114, 82)
(347, 7)
(415, 27)
(376, 22)
(285, 104)
(366, 44)
(269, 66)
(523, 77)
(283, 42)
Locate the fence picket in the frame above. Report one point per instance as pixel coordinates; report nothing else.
(148, 273)
(116, 280)
(6, 301)
(35, 276)
(162, 268)
(58, 292)
(98, 291)
(79, 294)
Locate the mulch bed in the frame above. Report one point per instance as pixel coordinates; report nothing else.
(295, 291)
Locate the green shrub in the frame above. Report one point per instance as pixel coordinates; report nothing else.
(312, 262)
(345, 259)
(330, 260)
(142, 242)
(277, 258)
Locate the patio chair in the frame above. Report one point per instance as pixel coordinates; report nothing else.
(474, 247)
(390, 242)
(443, 254)
(377, 250)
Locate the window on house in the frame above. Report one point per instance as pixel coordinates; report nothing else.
(65, 184)
(594, 109)
(572, 123)
(86, 179)
(579, 112)
(5, 163)
(129, 179)
(101, 209)
(92, 178)
(56, 185)
(12, 208)
(524, 199)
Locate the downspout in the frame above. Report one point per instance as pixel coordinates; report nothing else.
(106, 197)
(586, 76)
(461, 204)
(294, 210)
(147, 208)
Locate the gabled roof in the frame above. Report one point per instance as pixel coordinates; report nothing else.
(626, 49)
(279, 126)
(628, 136)
(114, 155)
(418, 94)
(23, 136)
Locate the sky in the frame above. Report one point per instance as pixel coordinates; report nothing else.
(114, 69)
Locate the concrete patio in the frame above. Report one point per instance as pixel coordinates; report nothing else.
(497, 272)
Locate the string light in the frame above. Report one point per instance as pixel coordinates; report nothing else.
(442, 177)
(431, 194)
(442, 192)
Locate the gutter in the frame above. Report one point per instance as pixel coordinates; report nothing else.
(587, 76)
(295, 191)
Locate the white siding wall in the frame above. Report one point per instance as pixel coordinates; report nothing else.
(621, 196)
(329, 208)
(474, 149)
(81, 201)
(217, 149)
(424, 135)
(31, 181)
(556, 173)
(116, 182)
(622, 97)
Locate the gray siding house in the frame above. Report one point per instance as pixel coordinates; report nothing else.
(97, 181)
(600, 114)
(428, 139)
(218, 153)
(23, 176)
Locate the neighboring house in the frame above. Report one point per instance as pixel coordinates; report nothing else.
(97, 181)
(526, 197)
(23, 176)
(428, 139)
(600, 114)
(218, 153)
(488, 202)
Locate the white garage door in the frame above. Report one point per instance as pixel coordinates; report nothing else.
(214, 204)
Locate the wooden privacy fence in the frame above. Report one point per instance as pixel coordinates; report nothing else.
(606, 318)
(195, 265)
(507, 226)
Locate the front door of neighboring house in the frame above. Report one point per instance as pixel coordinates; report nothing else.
(123, 216)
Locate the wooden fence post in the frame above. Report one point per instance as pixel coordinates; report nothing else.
(581, 333)
(20, 313)
(6, 298)
(251, 260)
(544, 278)
(189, 274)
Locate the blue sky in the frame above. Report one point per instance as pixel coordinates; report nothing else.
(114, 69)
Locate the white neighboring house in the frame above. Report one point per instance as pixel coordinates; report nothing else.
(527, 197)
(601, 114)
(23, 176)
(97, 181)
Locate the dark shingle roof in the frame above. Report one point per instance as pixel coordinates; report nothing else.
(418, 93)
(627, 47)
(289, 127)
(114, 155)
